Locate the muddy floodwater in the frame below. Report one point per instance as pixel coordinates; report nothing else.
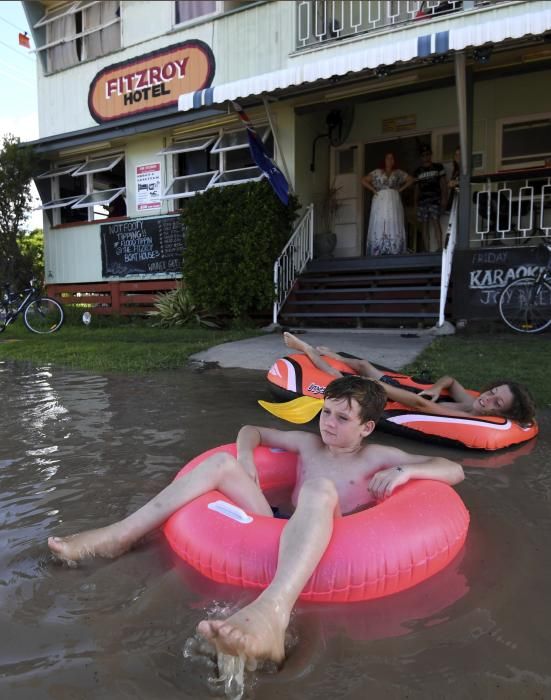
(79, 450)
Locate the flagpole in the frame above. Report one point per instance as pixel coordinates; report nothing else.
(279, 150)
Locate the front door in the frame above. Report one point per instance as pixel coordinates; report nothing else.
(346, 205)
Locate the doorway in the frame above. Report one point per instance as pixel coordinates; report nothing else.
(406, 150)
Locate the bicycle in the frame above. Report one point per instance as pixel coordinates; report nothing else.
(525, 304)
(41, 314)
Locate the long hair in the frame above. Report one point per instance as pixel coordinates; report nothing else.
(523, 408)
(383, 164)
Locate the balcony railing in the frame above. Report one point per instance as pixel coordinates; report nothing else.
(322, 21)
(513, 208)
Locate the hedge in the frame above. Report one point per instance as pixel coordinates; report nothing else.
(233, 235)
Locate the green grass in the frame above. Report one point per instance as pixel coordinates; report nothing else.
(114, 345)
(134, 346)
(478, 358)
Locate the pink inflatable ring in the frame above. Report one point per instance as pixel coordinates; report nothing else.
(379, 551)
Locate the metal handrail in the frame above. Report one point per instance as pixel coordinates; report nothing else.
(297, 253)
(447, 259)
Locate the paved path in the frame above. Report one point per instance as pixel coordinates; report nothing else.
(390, 348)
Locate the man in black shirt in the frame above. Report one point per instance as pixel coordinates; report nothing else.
(430, 199)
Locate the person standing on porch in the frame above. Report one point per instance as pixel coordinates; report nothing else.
(386, 233)
(430, 199)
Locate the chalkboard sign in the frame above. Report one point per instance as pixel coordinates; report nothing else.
(142, 246)
(480, 275)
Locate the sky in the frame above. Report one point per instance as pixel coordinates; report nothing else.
(18, 104)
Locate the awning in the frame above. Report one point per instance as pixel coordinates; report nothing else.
(466, 29)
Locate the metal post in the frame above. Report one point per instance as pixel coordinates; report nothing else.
(464, 108)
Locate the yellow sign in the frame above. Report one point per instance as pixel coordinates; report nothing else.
(405, 123)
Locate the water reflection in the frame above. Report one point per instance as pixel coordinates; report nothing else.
(81, 450)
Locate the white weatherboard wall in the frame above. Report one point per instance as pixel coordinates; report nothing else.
(245, 43)
(73, 253)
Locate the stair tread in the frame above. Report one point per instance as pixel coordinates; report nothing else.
(361, 314)
(365, 302)
(305, 277)
(343, 290)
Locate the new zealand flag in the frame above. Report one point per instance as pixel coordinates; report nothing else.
(275, 177)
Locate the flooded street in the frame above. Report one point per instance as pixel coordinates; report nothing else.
(80, 450)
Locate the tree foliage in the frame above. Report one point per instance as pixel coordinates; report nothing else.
(233, 236)
(31, 247)
(15, 204)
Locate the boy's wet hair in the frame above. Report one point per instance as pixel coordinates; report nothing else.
(523, 408)
(369, 394)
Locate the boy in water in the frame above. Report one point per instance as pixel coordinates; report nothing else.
(500, 398)
(336, 473)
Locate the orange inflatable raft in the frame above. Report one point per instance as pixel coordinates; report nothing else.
(385, 549)
(295, 375)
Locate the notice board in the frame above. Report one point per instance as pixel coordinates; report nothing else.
(480, 275)
(148, 246)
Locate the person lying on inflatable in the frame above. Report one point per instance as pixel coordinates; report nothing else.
(502, 398)
(336, 473)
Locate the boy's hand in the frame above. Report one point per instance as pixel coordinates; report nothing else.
(433, 394)
(384, 482)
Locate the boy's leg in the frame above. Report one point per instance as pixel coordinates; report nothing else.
(362, 367)
(220, 471)
(291, 341)
(258, 630)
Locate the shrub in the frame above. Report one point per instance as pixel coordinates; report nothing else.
(175, 308)
(233, 236)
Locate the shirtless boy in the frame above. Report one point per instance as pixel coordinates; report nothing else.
(336, 473)
(502, 398)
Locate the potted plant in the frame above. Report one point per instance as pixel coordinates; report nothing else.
(325, 239)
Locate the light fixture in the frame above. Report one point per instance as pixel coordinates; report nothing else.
(482, 54)
(383, 71)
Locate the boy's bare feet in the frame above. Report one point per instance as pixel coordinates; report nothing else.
(291, 341)
(102, 542)
(257, 632)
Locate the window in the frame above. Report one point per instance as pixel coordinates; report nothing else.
(86, 191)
(212, 161)
(524, 142)
(238, 165)
(79, 31)
(189, 10)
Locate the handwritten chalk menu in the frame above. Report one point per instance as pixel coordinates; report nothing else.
(480, 275)
(142, 246)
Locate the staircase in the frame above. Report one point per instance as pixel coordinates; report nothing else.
(382, 292)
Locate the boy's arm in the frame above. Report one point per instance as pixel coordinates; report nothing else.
(457, 391)
(251, 436)
(443, 188)
(407, 466)
(417, 401)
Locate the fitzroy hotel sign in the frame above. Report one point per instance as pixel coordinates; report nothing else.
(151, 81)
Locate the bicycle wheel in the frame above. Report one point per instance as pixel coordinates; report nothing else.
(525, 305)
(43, 315)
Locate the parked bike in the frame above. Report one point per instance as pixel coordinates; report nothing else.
(525, 304)
(41, 314)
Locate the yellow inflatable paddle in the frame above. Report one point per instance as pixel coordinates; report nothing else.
(300, 410)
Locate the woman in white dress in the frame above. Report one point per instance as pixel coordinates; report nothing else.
(386, 234)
